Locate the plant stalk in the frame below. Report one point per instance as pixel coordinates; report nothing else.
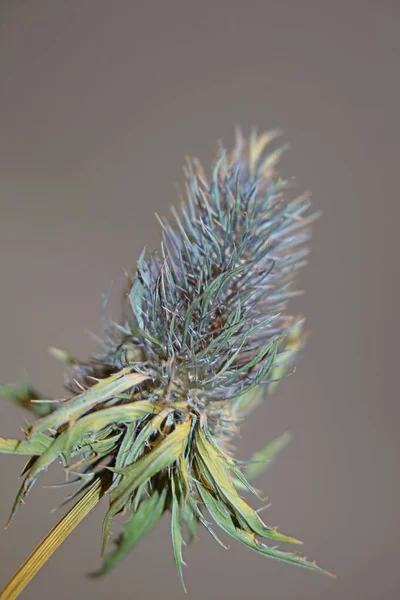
(54, 539)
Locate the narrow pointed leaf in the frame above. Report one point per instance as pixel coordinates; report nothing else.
(29, 447)
(226, 523)
(264, 458)
(100, 392)
(217, 476)
(94, 422)
(176, 532)
(141, 471)
(140, 524)
(191, 521)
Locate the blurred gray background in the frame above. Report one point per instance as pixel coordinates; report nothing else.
(99, 103)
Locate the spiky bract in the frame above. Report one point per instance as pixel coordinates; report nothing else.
(205, 335)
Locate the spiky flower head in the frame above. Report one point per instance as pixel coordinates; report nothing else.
(205, 335)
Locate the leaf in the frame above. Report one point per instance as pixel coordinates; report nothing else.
(65, 442)
(190, 519)
(140, 524)
(41, 463)
(264, 458)
(54, 539)
(214, 470)
(64, 357)
(248, 401)
(98, 447)
(192, 504)
(176, 533)
(140, 494)
(23, 393)
(153, 425)
(183, 475)
(132, 448)
(124, 450)
(239, 480)
(142, 470)
(94, 422)
(100, 392)
(29, 447)
(225, 521)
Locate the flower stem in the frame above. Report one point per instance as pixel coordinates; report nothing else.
(54, 539)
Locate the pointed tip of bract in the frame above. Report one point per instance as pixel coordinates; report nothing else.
(288, 539)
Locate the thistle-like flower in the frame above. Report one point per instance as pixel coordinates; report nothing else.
(150, 418)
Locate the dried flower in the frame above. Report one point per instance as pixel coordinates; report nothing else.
(151, 416)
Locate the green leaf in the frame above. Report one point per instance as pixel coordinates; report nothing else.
(64, 357)
(264, 458)
(190, 519)
(124, 449)
(23, 393)
(98, 447)
(153, 425)
(107, 388)
(94, 422)
(29, 447)
(239, 480)
(214, 470)
(248, 401)
(66, 441)
(192, 504)
(140, 524)
(183, 475)
(226, 523)
(42, 462)
(176, 533)
(132, 448)
(164, 454)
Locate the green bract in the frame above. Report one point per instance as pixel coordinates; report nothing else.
(150, 418)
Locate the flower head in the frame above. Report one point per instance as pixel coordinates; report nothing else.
(152, 415)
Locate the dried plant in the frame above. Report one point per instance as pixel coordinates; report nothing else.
(150, 418)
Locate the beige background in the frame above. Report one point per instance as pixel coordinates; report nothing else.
(99, 103)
